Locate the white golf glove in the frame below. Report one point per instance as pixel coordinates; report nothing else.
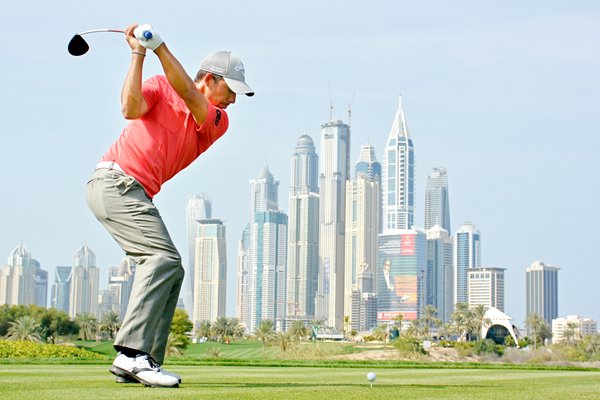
(147, 37)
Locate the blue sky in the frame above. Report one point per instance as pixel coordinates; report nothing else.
(505, 95)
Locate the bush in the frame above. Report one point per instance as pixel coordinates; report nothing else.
(488, 346)
(21, 349)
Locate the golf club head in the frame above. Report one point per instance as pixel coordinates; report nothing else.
(78, 46)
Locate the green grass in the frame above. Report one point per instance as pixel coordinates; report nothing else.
(219, 382)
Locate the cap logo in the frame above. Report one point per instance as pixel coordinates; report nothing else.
(214, 68)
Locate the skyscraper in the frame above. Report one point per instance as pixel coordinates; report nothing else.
(439, 286)
(199, 207)
(398, 194)
(243, 279)
(334, 171)
(541, 291)
(120, 283)
(363, 201)
(210, 267)
(467, 255)
(437, 202)
(84, 283)
(40, 284)
(486, 287)
(303, 232)
(268, 252)
(61, 290)
(18, 278)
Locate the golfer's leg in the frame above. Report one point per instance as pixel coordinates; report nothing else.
(164, 325)
(120, 203)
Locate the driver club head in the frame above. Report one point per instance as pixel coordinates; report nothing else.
(78, 46)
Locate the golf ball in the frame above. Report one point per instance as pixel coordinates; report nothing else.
(371, 376)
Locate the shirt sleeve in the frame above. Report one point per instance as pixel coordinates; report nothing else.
(215, 125)
(151, 91)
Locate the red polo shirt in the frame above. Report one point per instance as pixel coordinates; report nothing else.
(166, 139)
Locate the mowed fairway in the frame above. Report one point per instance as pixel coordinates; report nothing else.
(206, 382)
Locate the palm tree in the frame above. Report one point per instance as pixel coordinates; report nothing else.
(284, 340)
(204, 329)
(175, 345)
(236, 329)
(429, 319)
(538, 328)
(570, 333)
(381, 332)
(298, 330)
(220, 328)
(478, 320)
(398, 319)
(461, 318)
(110, 324)
(264, 332)
(88, 325)
(24, 328)
(415, 329)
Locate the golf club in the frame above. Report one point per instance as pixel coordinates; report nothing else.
(78, 46)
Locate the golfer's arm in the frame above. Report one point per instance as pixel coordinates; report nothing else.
(133, 104)
(183, 85)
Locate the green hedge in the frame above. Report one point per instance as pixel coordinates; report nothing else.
(21, 349)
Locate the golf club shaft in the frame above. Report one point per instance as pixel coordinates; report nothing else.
(101, 30)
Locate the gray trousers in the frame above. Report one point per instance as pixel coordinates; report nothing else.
(121, 205)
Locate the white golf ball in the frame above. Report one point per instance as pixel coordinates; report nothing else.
(371, 376)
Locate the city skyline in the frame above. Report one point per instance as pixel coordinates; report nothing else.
(503, 95)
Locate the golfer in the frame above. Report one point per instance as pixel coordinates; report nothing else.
(174, 119)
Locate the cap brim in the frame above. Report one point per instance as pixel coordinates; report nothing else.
(239, 87)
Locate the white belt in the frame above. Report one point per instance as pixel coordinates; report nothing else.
(109, 165)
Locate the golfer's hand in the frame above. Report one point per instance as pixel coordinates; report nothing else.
(147, 37)
(132, 41)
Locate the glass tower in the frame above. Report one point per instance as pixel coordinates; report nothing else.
(467, 255)
(303, 232)
(437, 203)
(542, 291)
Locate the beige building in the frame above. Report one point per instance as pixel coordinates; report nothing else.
(486, 287)
(85, 277)
(581, 327)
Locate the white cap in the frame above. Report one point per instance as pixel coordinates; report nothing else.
(231, 68)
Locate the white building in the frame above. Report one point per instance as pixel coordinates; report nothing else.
(467, 255)
(580, 327)
(486, 287)
(18, 279)
(334, 171)
(210, 271)
(85, 278)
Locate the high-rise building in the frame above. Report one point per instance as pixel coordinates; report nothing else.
(303, 232)
(210, 286)
(40, 284)
(84, 283)
(243, 279)
(362, 222)
(61, 289)
(21, 280)
(437, 203)
(334, 171)
(541, 291)
(199, 207)
(401, 265)
(486, 287)
(268, 268)
(268, 253)
(439, 285)
(363, 299)
(467, 255)
(120, 282)
(398, 188)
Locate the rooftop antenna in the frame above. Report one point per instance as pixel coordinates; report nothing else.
(350, 110)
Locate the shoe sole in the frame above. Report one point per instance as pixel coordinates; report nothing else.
(122, 373)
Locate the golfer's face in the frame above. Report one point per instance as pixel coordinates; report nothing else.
(220, 95)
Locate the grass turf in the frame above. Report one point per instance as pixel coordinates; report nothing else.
(219, 382)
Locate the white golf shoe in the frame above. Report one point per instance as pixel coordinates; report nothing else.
(142, 369)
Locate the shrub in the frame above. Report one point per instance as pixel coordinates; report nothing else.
(22, 349)
(487, 346)
(410, 347)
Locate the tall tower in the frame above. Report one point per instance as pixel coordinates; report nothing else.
(542, 291)
(210, 271)
(437, 203)
(362, 222)
(303, 232)
(467, 255)
(398, 194)
(243, 279)
(199, 206)
(439, 287)
(268, 252)
(334, 171)
(84, 283)
(17, 279)
(61, 290)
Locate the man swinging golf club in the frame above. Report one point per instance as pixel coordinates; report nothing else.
(173, 120)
